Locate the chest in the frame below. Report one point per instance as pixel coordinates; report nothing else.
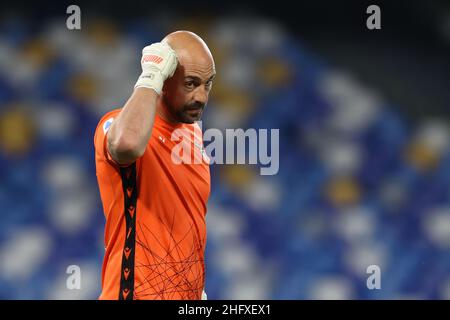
(177, 165)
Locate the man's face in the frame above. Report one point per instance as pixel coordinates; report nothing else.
(185, 94)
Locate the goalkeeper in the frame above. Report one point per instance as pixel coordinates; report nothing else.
(155, 207)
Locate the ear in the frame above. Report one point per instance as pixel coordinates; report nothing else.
(168, 85)
(168, 90)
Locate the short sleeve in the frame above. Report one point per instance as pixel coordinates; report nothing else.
(100, 139)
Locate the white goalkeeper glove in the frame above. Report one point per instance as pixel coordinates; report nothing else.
(159, 62)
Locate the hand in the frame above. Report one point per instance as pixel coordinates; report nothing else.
(159, 62)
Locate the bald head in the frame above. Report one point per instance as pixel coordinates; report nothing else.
(190, 48)
(186, 93)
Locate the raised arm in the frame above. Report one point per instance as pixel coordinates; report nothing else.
(129, 133)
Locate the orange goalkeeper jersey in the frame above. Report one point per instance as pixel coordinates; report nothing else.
(155, 208)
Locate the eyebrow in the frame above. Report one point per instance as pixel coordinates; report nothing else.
(198, 79)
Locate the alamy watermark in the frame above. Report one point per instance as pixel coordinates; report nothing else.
(233, 146)
(374, 20)
(73, 22)
(374, 280)
(73, 281)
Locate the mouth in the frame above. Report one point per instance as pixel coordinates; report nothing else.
(195, 109)
(194, 112)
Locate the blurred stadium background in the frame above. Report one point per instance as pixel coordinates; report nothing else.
(364, 145)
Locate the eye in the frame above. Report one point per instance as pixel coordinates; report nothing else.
(190, 84)
(209, 84)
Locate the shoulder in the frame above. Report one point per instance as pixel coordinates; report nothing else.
(103, 126)
(107, 119)
(105, 122)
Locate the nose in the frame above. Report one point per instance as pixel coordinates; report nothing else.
(201, 95)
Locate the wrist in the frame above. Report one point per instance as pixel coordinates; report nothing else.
(145, 93)
(150, 80)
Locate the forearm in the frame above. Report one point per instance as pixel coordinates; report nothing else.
(129, 133)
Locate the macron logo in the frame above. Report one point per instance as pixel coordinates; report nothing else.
(151, 58)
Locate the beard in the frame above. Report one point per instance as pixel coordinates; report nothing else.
(188, 113)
